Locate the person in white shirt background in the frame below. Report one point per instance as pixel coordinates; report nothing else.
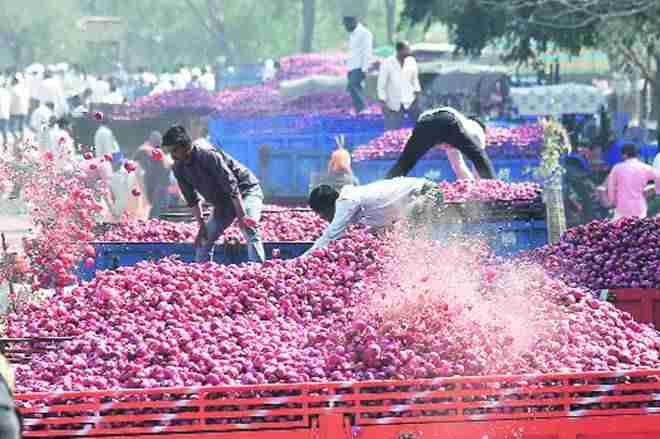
(360, 50)
(105, 142)
(114, 96)
(61, 145)
(5, 112)
(20, 106)
(100, 89)
(51, 91)
(208, 79)
(398, 87)
(40, 117)
(34, 75)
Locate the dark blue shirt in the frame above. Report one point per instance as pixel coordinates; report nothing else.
(213, 174)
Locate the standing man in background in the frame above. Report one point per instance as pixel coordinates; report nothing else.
(51, 91)
(5, 112)
(627, 184)
(41, 118)
(360, 50)
(398, 87)
(208, 79)
(20, 106)
(105, 142)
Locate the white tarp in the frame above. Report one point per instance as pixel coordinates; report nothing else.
(550, 100)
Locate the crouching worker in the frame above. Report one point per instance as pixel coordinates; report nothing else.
(447, 126)
(231, 188)
(376, 205)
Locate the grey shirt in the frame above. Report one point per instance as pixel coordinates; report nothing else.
(213, 174)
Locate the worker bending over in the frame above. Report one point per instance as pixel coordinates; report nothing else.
(376, 205)
(465, 136)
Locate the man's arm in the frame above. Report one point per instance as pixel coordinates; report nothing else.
(655, 176)
(458, 164)
(417, 87)
(344, 212)
(192, 199)
(188, 191)
(366, 47)
(611, 187)
(228, 183)
(383, 75)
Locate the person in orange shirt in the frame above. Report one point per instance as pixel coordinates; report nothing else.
(340, 173)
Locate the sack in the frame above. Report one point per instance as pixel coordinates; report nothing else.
(313, 85)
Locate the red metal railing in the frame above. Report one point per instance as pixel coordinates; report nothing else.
(355, 409)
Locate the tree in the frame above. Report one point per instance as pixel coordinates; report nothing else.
(390, 7)
(474, 24)
(33, 29)
(309, 19)
(211, 14)
(633, 48)
(629, 30)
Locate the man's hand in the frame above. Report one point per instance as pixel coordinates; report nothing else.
(202, 235)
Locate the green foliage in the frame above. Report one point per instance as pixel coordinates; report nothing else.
(474, 25)
(162, 33)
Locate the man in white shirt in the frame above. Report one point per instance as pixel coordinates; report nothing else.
(104, 142)
(114, 97)
(41, 118)
(52, 92)
(376, 205)
(398, 86)
(61, 145)
(20, 106)
(100, 89)
(460, 135)
(5, 113)
(656, 161)
(208, 79)
(360, 49)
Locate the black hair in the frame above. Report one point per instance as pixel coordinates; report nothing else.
(323, 198)
(177, 136)
(50, 105)
(400, 45)
(630, 150)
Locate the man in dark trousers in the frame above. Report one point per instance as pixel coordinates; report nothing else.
(233, 190)
(465, 136)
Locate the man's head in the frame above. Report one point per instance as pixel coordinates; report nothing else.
(177, 143)
(402, 50)
(50, 106)
(155, 139)
(630, 151)
(322, 201)
(350, 23)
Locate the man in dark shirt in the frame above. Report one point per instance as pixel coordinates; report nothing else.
(232, 189)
